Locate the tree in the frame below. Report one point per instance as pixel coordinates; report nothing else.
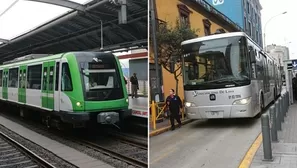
(169, 40)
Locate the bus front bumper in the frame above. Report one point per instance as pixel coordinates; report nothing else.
(221, 111)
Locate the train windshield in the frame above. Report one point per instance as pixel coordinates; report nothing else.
(216, 63)
(101, 78)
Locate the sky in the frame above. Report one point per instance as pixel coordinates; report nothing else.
(26, 15)
(282, 29)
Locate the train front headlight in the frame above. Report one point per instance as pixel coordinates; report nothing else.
(189, 104)
(127, 100)
(78, 104)
(242, 101)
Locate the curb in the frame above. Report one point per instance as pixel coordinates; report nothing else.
(250, 154)
(165, 129)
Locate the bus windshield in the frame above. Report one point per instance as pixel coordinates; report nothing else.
(100, 76)
(210, 63)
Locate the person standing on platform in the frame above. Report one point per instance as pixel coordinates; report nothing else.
(174, 103)
(135, 86)
(294, 86)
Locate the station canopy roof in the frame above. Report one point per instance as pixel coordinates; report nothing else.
(80, 30)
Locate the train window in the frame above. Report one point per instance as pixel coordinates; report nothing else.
(44, 78)
(1, 78)
(66, 82)
(21, 79)
(51, 79)
(13, 78)
(57, 75)
(24, 78)
(34, 77)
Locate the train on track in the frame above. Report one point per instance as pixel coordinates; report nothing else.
(75, 88)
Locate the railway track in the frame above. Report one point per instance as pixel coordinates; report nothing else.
(119, 147)
(125, 152)
(14, 154)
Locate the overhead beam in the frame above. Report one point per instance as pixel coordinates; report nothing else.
(63, 3)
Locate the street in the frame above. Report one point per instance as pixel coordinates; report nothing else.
(207, 144)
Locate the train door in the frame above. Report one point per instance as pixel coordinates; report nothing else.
(57, 88)
(5, 84)
(22, 84)
(48, 85)
(1, 84)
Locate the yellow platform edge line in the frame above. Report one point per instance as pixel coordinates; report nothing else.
(166, 128)
(249, 156)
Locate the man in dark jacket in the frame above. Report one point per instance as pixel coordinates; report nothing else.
(135, 86)
(174, 104)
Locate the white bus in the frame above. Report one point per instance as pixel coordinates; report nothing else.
(228, 76)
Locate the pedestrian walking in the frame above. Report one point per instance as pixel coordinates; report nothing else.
(135, 86)
(174, 103)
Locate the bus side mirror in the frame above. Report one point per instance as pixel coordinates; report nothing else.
(252, 55)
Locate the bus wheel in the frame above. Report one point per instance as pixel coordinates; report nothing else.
(261, 108)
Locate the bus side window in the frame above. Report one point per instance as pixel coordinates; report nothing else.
(253, 55)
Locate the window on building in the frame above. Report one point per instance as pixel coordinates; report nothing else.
(13, 77)
(207, 25)
(34, 77)
(257, 36)
(250, 29)
(245, 26)
(66, 82)
(184, 13)
(248, 6)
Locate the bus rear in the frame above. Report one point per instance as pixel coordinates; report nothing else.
(217, 77)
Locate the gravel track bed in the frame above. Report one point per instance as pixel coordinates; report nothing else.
(41, 129)
(41, 152)
(124, 148)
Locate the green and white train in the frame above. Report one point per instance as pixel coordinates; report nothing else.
(74, 88)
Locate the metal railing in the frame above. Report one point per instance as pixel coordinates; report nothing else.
(271, 122)
(158, 110)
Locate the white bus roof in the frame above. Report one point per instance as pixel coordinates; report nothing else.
(216, 36)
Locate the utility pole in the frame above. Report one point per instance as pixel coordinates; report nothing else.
(156, 96)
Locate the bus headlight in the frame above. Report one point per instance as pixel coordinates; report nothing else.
(242, 101)
(188, 104)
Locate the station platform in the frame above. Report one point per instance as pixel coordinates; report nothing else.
(284, 152)
(139, 106)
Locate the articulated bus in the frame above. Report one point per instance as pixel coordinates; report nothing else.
(228, 76)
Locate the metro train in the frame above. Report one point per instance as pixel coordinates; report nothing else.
(75, 88)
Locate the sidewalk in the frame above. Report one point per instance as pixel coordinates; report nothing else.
(285, 151)
(165, 126)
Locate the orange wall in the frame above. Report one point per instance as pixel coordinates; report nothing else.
(167, 11)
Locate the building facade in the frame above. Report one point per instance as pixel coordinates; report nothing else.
(199, 15)
(278, 52)
(245, 13)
